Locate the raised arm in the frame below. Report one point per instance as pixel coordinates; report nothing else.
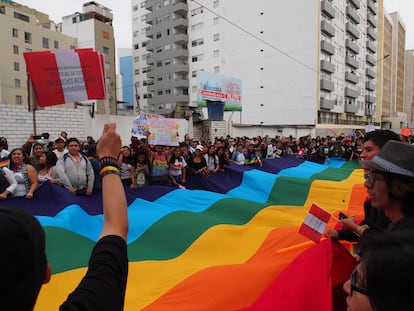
(113, 194)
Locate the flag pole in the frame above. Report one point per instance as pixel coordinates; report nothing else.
(31, 106)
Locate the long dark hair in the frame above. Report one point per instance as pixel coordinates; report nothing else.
(388, 269)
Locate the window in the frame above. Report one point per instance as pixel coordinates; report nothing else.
(197, 42)
(2, 9)
(166, 2)
(197, 58)
(147, 95)
(216, 20)
(159, 92)
(16, 66)
(158, 20)
(27, 37)
(158, 6)
(167, 62)
(56, 44)
(167, 47)
(167, 17)
(158, 49)
(167, 91)
(216, 69)
(45, 42)
(194, 74)
(159, 64)
(196, 11)
(216, 36)
(216, 53)
(15, 33)
(216, 4)
(143, 4)
(167, 32)
(136, 46)
(22, 17)
(158, 35)
(74, 20)
(136, 72)
(136, 59)
(17, 83)
(159, 78)
(19, 100)
(135, 8)
(136, 33)
(27, 50)
(105, 50)
(15, 49)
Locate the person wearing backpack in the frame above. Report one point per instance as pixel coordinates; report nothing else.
(75, 170)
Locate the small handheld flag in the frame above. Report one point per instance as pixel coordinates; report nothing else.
(314, 224)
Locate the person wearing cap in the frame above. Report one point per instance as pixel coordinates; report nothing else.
(197, 163)
(60, 148)
(390, 184)
(23, 262)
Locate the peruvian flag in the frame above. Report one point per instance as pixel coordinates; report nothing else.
(66, 76)
(314, 224)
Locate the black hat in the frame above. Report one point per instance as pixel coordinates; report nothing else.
(394, 158)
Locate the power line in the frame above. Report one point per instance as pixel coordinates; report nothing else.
(256, 37)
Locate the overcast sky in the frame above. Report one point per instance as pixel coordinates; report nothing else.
(122, 15)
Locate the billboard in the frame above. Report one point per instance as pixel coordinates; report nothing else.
(214, 87)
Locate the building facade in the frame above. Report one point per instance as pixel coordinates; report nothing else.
(93, 29)
(24, 30)
(310, 64)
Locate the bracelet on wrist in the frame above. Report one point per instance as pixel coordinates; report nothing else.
(108, 161)
(109, 168)
(110, 172)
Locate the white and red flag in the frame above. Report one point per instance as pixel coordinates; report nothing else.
(65, 76)
(315, 223)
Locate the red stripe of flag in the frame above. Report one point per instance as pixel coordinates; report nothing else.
(314, 223)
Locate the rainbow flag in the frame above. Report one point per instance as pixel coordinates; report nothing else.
(4, 163)
(233, 245)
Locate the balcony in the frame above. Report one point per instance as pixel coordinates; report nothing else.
(352, 30)
(371, 46)
(180, 68)
(352, 14)
(371, 60)
(325, 103)
(351, 77)
(370, 99)
(370, 85)
(372, 33)
(372, 7)
(351, 62)
(327, 8)
(350, 108)
(180, 38)
(355, 3)
(351, 93)
(327, 47)
(327, 28)
(372, 20)
(179, 23)
(370, 111)
(180, 8)
(327, 66)
(327, 85)
(370, 72)
(352, 46)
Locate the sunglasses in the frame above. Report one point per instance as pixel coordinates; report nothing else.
(354, 286)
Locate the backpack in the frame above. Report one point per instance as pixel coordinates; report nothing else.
(4, 183)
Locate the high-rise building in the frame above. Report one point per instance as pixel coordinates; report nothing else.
(391, 63)
(303, 64)
(126, 85)
(24, 30)
(409, 87)
(93, 29)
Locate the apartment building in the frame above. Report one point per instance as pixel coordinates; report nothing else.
(93, 29)
(308, 64)
(24, 30)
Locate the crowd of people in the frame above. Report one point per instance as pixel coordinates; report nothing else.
(73, 164)
(383, 278)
